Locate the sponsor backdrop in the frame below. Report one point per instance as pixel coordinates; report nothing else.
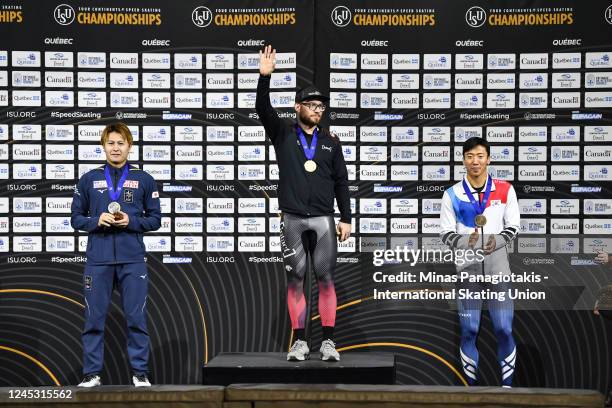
(409, 82)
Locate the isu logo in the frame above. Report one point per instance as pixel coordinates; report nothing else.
(341, 16)
(201, 16)
(64, 14)
(475, 16)
(608, 15)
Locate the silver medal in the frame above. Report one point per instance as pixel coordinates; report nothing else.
(114, 207)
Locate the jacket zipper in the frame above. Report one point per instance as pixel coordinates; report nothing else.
(114, 242)
(308, 183)
(482, 235)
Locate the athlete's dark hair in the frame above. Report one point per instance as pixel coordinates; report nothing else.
(118, 127)
(472, 142)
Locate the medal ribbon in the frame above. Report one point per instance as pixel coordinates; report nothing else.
(309, 151)
(113, 192)
(479, 207)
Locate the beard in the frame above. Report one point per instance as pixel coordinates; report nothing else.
(307, 120)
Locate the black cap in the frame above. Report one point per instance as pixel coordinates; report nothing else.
(310, 93)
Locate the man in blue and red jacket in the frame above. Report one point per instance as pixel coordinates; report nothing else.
(115, 203)
(482, 213)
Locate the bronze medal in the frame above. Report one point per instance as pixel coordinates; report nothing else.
(480, 220)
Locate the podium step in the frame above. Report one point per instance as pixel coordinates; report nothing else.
(353, 368)
(404, 396)
(113, 396)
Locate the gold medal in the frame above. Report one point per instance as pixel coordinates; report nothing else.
(310, 166)
(480, 220)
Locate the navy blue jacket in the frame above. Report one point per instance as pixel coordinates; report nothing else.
(139, 200)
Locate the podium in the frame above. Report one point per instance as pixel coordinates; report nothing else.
(353, 368)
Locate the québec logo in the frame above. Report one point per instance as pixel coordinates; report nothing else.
(341, 16)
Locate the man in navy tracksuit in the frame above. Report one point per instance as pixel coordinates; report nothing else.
(115, 203)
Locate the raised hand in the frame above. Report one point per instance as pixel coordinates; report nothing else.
(267, 60)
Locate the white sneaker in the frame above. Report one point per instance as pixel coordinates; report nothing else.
(90, 380)
(328, 351)
(140, 380)
(299, 351)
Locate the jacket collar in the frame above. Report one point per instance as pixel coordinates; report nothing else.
(318, 128)
(489, 180)
(130, 167)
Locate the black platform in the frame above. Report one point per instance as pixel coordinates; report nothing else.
(353, 368)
